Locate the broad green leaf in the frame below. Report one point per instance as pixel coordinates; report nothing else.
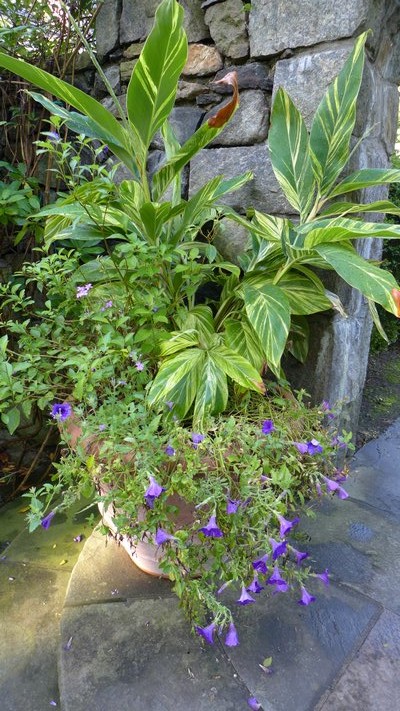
(238, 369)
(334, 120)
(178, 380)
(299, 336)
(179, 341)
(240, 337)
(365, 179)
(212, 395)
(268, 311)
(341, 229)
(375, 317)
(154, 82)
(11, 419)
(199, 318)
(154, 217)
(347, 208)
(289, 150)
(373, 282)
(305, 292)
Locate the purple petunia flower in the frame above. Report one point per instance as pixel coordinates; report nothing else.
(278, 548)
(61, 411)
(300, 555)
(306, 598)
(286, 525)
(231, 639)
(267, 427)
(281, 587)
(260, 564)
(245, 598)
(255, 586)
(78, 538)
(169, 450)
(206, 632)
(139, 366)
(301, 447)
(276, 578)
(153, 491)
(253, 703)
(324, 576)
(83, 290)
(232, 505)
(211, 529)
(197, 439)
(162, 536)
(314, 447)
(46, 521)
(342, 493)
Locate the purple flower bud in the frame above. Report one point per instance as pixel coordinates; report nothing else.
(169, 404)
(54, 136)
(46, 521)
(314, 447)
(255, 586)
(285, 525)
(139, 365)
(267, 427)
(211, 529)
(162, 537)
(306, 598)
(245, 598)
(231, 639)
(107, 305)
(278, 548)
(232, 505)
(197, 439)
(260, 564)
(324, 576)
(169, 450)
(300, 555)
(253, 703)
(153, 492)
(61, 411)
(206, 632)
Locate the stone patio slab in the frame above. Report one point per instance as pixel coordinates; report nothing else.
(366, 483)
(12, 522)
(372, 681)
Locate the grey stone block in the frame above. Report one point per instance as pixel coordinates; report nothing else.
(227, 24)
(249, 124)
(252, 75)
(275, 25)
(263, 192)
(193, 21)
(136, 21)
(230, 239)
(107, 28)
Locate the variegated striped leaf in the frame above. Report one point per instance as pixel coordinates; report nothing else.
(299, 336)
(365, 179)
(178, 341)
(289, 150)
(178, 380)
(373, 282)
(200, 318)
(154, 81)
(240, 337)
(212, 395)
(342, 229)
(268, 311)
(347, 208)
(334, 120)
(305, 292)
(238, 369)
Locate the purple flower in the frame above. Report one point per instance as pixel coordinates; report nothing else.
(301, 447)
(231, 639)
(102, 428)
(331, 485)
(107, 305)
(78, 538)
(314, 447)
(169, 450)
(281, 587)
(278, 548)
(338, 442)
(83, 290)
(253, 703)
(306, 598)
(162, 537)
(276, 578)
(267, 427)
(325, 405)
(61, 411)
(300, 555)
(46, 521)
(286, 525)
(197, 439)
(54, 136)
(211, 529)
(342, 493)
(153, 492)
(139, 366)
(255, 586)
(245, 598)
(324, 576)
(169, 404)
(260, 564)
(206, 632)
(232, 505)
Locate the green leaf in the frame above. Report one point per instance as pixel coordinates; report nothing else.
(154, 82)
(375, 317)
(178, 342)
(373, 282)
(268, 311)
(305, 291)
(347, 208)
(365, 179)
(240, 337)
(238, 369)
(334, 120)
(342, 229)
(178, 380)
(199, 318)
(299, 336)
(212, 395)
(11, 419)
(289, 150)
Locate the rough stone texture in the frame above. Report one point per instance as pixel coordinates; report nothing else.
(126, 69)
(249, 124)
(371, 681)
(202, 60)
(230, 239)
(250, 76)
(227, 24)
(133, 50)
(193, 22)
(136, 19)
(275, 25)
(83, 61)
(109, 104)
(190, 90)
(107, 29)
(307, 76)
(377, 108)
(263, 192)
(112, 74)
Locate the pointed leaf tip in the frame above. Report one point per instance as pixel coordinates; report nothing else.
(226, 112)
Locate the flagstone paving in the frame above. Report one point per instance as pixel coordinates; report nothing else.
(124, 644)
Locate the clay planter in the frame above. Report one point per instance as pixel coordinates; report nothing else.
(144, 553)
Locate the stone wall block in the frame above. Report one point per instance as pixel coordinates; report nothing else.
(112, 74)
(377, 108)
(253, 75)
(276, 25)
(306, 77)
(107, 28)
(263, 192)
(202, 61)
(189, 90)
(126, 69)
(249, 124)
(227, 24)
(137, 19)
(194, 24)
(230, 239)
